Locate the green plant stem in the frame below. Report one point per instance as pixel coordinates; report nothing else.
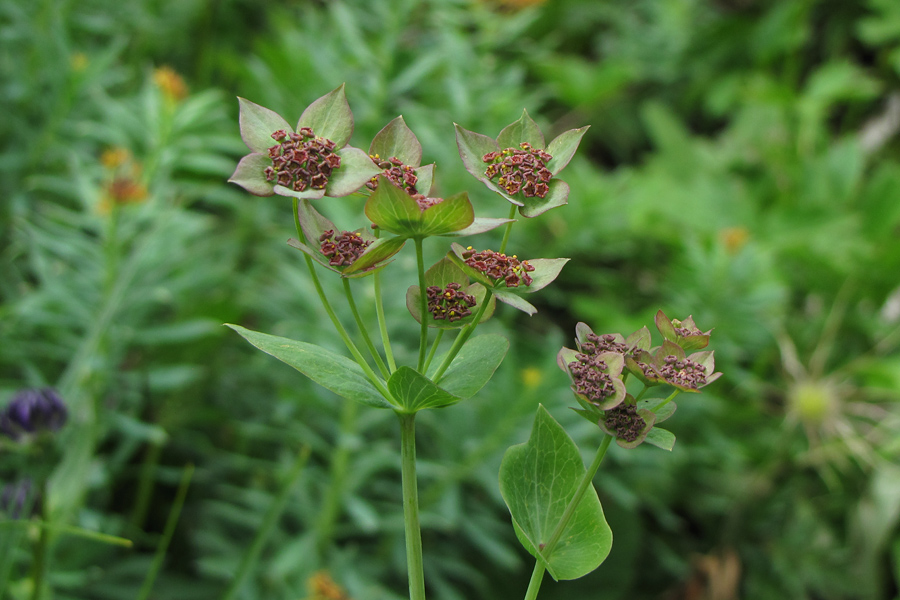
(168, 532)
(269, 520)
(87, 534)
(462, 338)
(423, 305)
(538, 574)
(357, 355)
(411, 506)
(434, 347)
(667, 400)
(643, 391)
(39, 566)
(512, 215)
(337, 477)
(145, 484)
(382, 323)
(362, 329)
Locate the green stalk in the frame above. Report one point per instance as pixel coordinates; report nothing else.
(362, 329)
(382, 323)
(269, 520)
(413, 530)
(357, 355)
(423, 305)
(168, 532)
(667, 400)
(512, 215)
(434, 347)
(538, 574)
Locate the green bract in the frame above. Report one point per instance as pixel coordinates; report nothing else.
(315, 227)
(330, 119)
(393, 210)
(474, 147)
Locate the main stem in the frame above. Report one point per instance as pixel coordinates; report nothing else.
(538, 574)
(423, 305)
(411, 506)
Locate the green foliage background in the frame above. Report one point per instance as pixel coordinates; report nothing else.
(742, 165)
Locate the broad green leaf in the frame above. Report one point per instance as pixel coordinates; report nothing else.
(312, 222)
(522, 130)
(355, 170)
(516, 301)
(309, 193)
(396, 139)
(557, 196)
(663, 413)
(258, 123)
(472, 148)
(563, 148)
(250, 174)
(538, 479)
(332, 371)
(450, 215)
(415, 392)
(330, 117)
(474, 366)
(425, 179)
(393, 210)
(380, 250)
(546, 270)
(661, 438)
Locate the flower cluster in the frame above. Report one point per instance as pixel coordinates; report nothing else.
(520, 170)
(450, 303)
(301, 160)
(591, 379)
(401, 175)
(625, 422)
(343, 249)
(33, 411)
(499, 267)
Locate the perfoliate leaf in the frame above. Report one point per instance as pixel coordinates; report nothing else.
(250, 174)
(563, 148)
(415, 392)
(480, 225)
(546, 270)
(557, 196)
(393, 210)
(474, 366)
(397, 140)
(661, 438)
(332, 371)
(538, 479)
(472, 148)
(355, 170)
(453, 214)
(516, 301)
(258, 123)
(524, 129)
(330, 117)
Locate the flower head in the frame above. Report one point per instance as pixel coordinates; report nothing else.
(518, 165)
(311, 162)
(684, 333)
(31, 412)
(450, 303)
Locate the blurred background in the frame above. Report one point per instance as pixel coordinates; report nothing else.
(742, 166)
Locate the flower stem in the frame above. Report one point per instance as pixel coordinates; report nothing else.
(434, 347)
(357, 355)
(411, 506)
(362, 329)
(583, 485)
(382, 323)
(512, 215)
(666, 401)
(423, 305)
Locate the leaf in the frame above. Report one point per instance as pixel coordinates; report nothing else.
(474, 366)
(663, 413)
(379, 251)
(425, 179)
(393, 210)
(450, 215)
(258, 123)
(563, 148)
(538, 479)
(481, 225)
(355, 170)
(557, 196)
(330, 117)
(332, 371)
(472, 148)
(250, 174)
(312, 222)
(661, 438)
(546, 270)
(522, 130)
(516, 301)
(396, 139)
(416, 392)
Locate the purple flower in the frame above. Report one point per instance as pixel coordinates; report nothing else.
(31, 412)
